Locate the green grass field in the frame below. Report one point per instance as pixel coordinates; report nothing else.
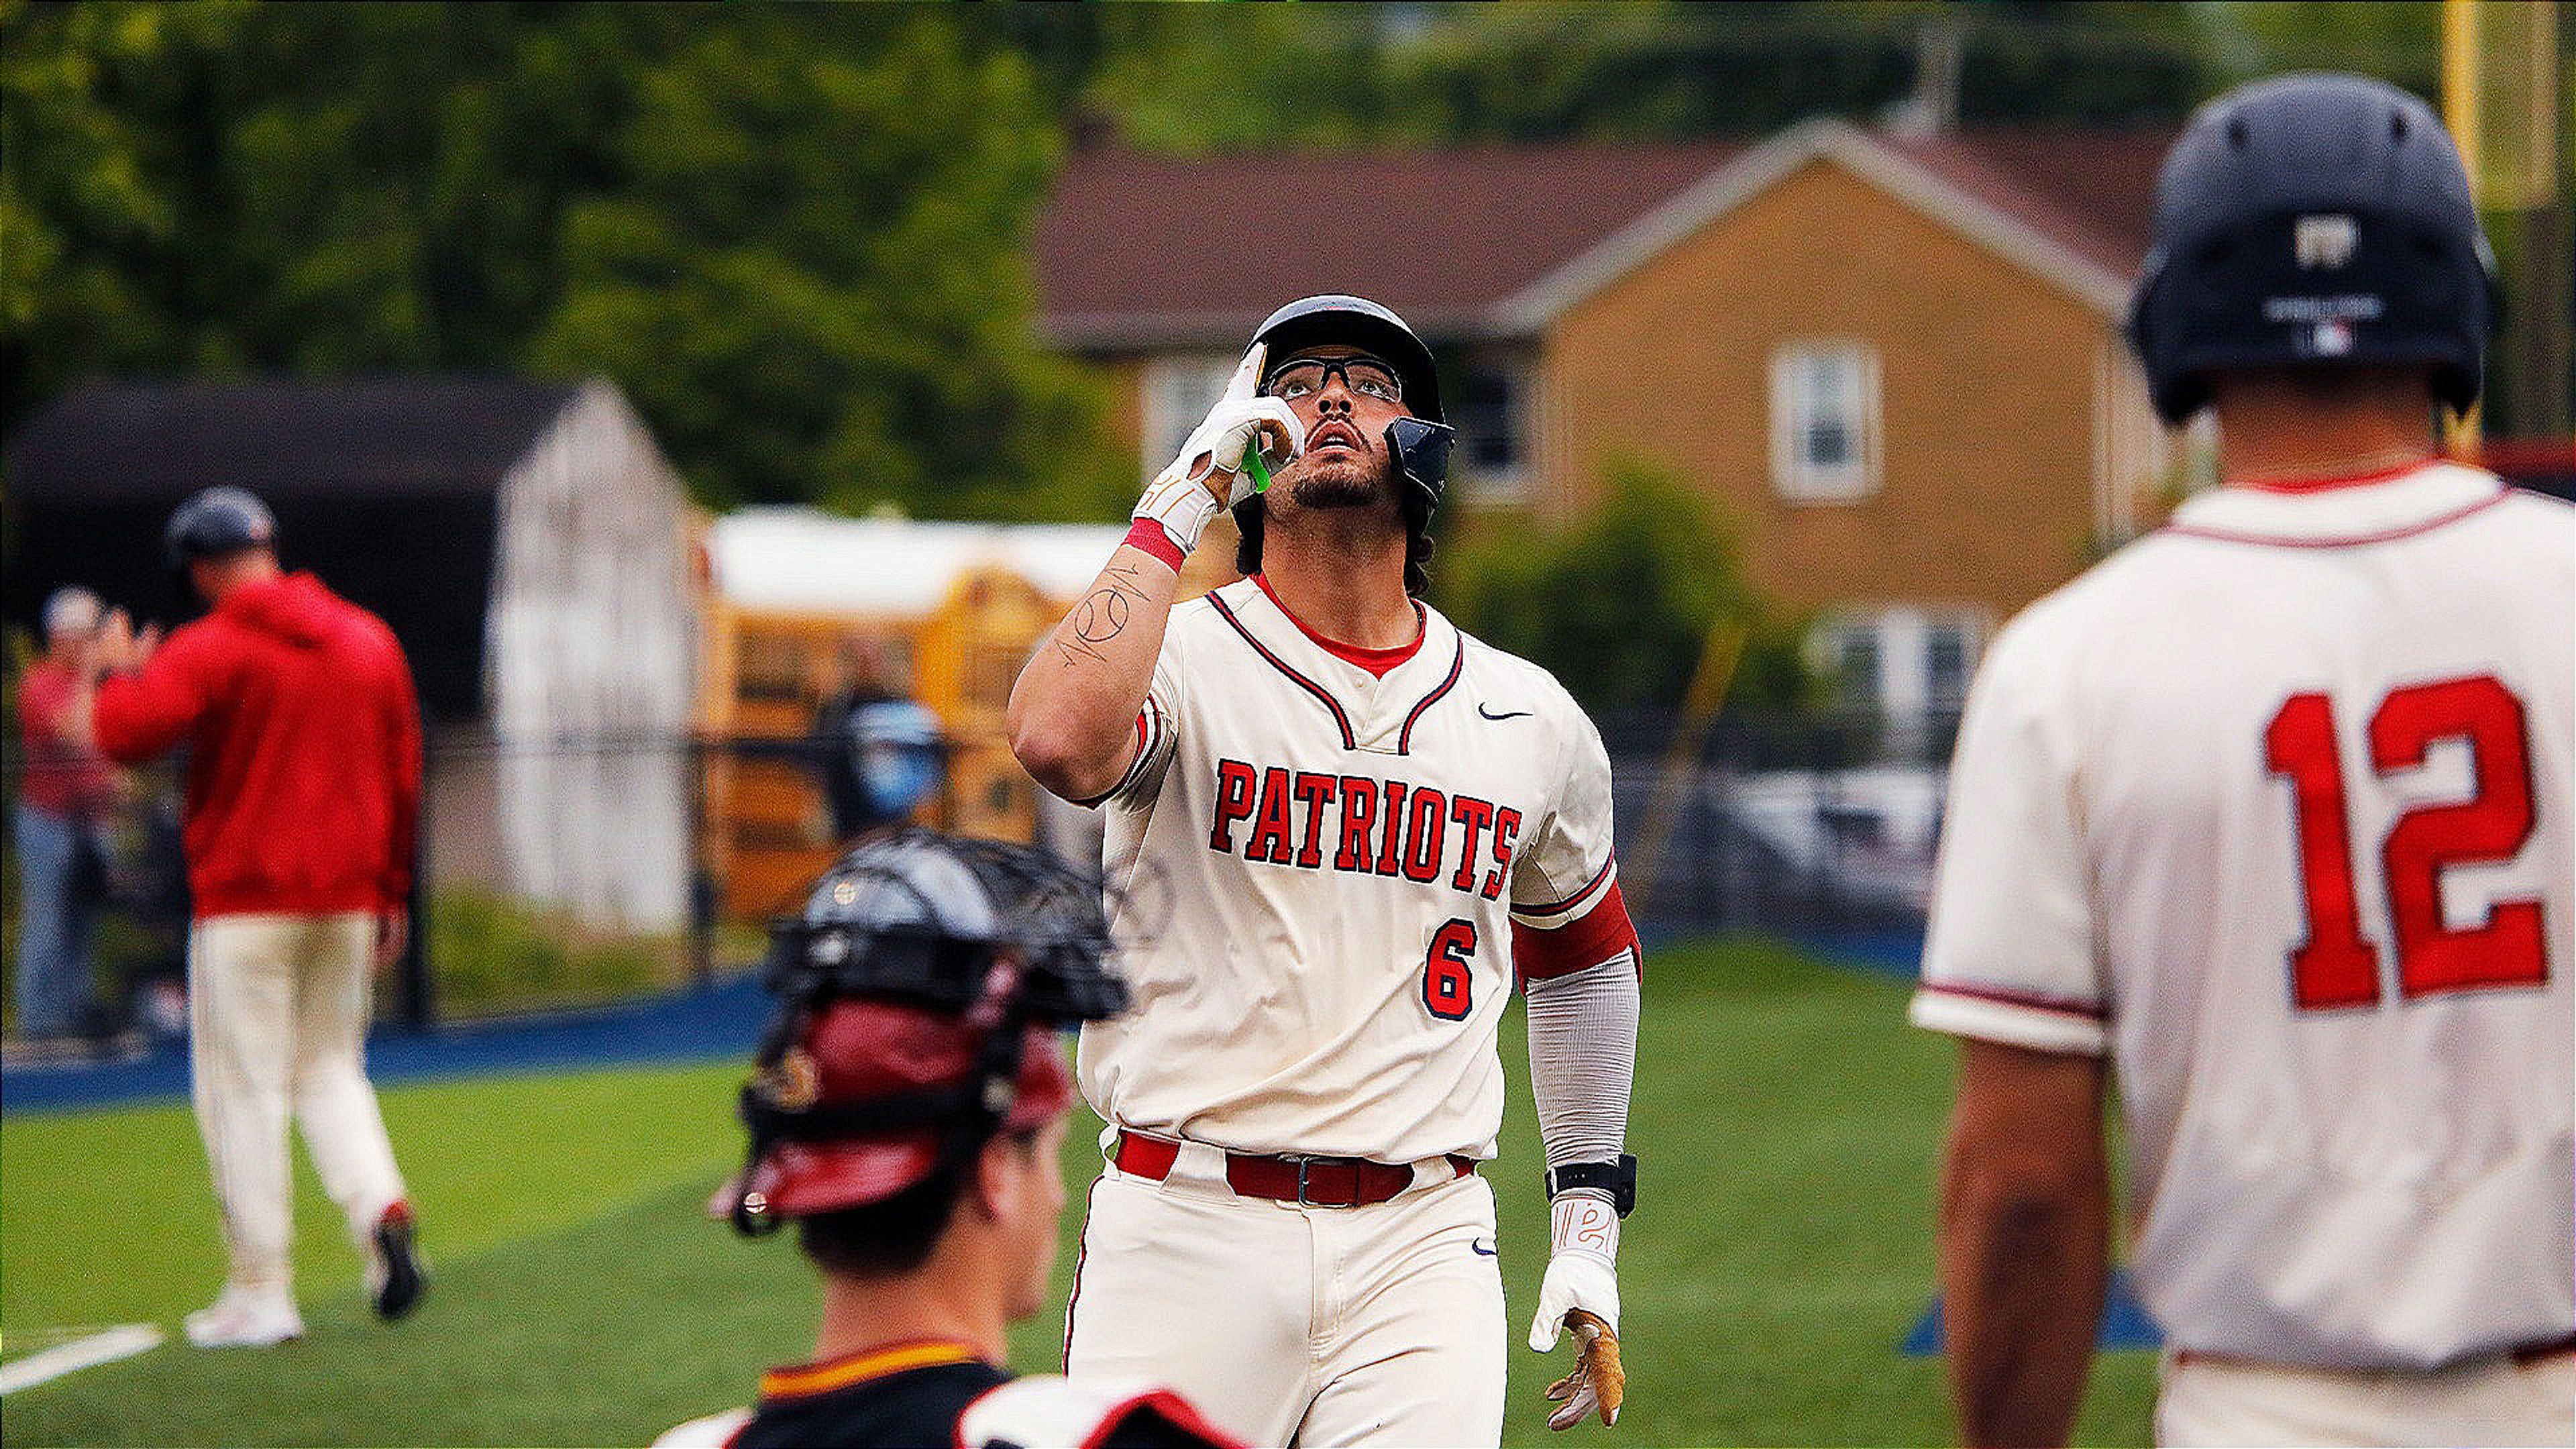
(1786, 1118)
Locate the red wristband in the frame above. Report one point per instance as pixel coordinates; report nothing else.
(1153, 538)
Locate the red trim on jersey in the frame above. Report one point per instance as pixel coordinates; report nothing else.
(1142, 739)
(1539, 952)
(2323, 482)
(1457, 666)
(1349, 741)
(2002, 996)
(1164, 1404)
(1174, 1409)
(1561, 907)
(1081, 1251)
(1379, 662)
(2355, 541)
(1150, 536)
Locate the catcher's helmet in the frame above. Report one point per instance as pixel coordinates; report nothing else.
(2312, 219)
(1418, 444)
(919, 993)
(216, 522)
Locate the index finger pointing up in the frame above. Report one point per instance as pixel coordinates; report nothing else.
(1246, 382)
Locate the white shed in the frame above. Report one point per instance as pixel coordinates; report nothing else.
(529, 545)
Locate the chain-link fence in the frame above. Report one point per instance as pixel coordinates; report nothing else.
(1820, 827)
(565, 871)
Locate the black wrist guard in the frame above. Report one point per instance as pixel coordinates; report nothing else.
(1619, 1179)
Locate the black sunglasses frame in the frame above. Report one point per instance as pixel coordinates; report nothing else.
(1332, 365)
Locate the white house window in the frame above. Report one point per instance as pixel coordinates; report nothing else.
(1909, 666)
(1177, 393)
(1824, 422)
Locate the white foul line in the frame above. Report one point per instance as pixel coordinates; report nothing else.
(80, 1353)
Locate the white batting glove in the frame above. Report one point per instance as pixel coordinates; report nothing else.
(1209, 474)
(1582, 1281)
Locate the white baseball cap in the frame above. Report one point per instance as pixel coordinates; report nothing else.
(72, 611)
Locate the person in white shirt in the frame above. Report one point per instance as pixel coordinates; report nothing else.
(2268, 816)
(1340, 832)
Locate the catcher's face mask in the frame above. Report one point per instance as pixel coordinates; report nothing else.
(920, 991)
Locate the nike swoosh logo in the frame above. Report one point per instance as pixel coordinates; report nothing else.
(1506, 714)
(1482, 1250)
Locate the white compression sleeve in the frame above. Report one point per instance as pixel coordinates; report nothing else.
(1583, 1058)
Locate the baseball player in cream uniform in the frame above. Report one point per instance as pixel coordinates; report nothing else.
(1334, 846)
(2271, 811)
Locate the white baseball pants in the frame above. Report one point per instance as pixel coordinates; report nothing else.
(1285, 1325)
(277, 1014)
(2203, 1401)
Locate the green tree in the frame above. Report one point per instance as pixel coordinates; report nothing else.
(794, 234)
(90, 220)
(1620, 606)
(814, 279)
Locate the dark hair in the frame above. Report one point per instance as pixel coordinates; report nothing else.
(1250, 522)
(885, 1238)
(896, 1235)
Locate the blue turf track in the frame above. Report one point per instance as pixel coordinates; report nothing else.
(716, 1024)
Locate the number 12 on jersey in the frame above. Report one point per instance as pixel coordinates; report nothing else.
(2337, 966)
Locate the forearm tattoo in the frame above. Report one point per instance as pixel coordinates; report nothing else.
(1099, 618)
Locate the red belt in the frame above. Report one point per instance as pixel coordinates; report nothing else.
(1305, 1181)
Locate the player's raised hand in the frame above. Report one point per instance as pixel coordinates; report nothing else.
(1241, 418)
(1209, 475)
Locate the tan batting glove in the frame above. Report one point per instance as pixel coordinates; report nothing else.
(1581, 1293)
(1599, 1381)
(1208, 475)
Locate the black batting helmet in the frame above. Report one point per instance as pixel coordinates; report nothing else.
(217, 522)
(1418, 444)
(1338, 318)
(2313, 219)
(920, 991)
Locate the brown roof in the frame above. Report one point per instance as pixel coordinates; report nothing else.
(1139, 251)
(1136, 249)
(2092, 192)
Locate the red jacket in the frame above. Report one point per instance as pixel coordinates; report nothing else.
(65, 780)
(304, 781)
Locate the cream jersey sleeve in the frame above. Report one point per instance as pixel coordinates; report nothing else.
(1157, 730)
(2010, 950)
(1566, 866)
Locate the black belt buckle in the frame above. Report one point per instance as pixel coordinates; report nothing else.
(1305, 1179)
(1303, 1164)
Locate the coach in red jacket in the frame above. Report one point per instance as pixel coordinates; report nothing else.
(303, 791)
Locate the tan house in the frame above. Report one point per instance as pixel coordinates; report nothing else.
(1894, 362)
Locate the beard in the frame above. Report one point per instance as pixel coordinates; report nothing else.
(1357, 481)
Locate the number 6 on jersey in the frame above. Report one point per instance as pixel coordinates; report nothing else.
(1446, 977)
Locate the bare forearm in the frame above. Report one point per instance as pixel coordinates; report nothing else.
(1072, 715)
(2025, 1224)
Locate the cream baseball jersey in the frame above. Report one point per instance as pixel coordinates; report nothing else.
(1317, 874)
(2273, 806)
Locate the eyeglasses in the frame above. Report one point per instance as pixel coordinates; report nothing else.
(1363, 375)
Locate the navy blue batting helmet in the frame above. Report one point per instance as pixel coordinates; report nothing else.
(2313, 220)
(216, 522)
(1420, 444)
